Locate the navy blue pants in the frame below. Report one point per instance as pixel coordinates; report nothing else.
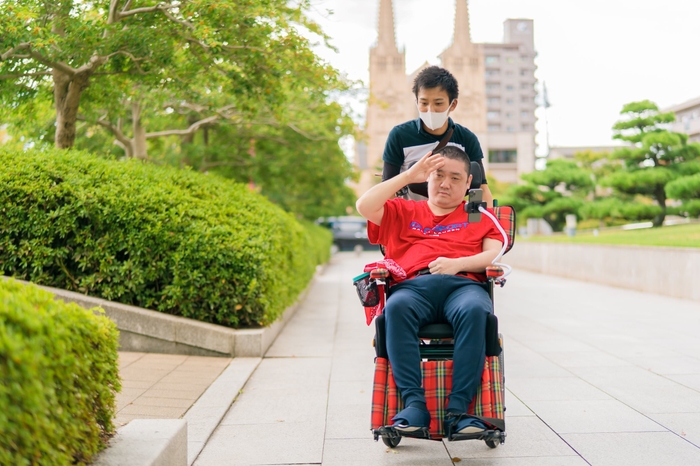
(428, 299)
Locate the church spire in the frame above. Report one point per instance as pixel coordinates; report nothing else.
(462, 32)
(387, 38)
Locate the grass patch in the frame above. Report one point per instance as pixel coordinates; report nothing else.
(679, 236)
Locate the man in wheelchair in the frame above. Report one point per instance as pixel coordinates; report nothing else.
(444, 257)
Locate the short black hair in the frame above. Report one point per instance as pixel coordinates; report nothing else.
(455, 153)
(434, 76)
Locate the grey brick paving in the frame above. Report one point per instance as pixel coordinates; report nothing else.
(162, 386)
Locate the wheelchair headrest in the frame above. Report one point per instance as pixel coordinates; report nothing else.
(475, 171)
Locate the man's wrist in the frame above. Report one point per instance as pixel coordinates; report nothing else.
(404, 178)
(464, 264)
(398, 182)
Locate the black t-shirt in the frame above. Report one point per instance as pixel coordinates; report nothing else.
(408, 142)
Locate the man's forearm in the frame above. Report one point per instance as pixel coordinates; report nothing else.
(374, 199)
(478, 262)
(487, 196)
(389, 171)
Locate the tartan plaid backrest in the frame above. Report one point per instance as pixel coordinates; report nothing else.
(506, 216)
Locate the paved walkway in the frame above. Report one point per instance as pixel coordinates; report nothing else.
(594, 375)
(162, 386)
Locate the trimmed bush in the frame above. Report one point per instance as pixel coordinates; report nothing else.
(157, 237)
(59, 373)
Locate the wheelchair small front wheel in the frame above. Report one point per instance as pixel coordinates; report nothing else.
(492, 443)
(391, 441)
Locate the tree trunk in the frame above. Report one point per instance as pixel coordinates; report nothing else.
(139, 136)
(660, 196)
(186, 142)
(127, 147)
(67, 91)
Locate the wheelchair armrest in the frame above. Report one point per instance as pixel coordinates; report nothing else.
(379, 273)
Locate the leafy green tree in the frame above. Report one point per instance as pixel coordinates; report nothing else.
(686, 188)
(599, 165)
(219, 85)
(603, 203)
(654, 158)
(618, 209)
(551, 194)
(69, 46)
(295, 161)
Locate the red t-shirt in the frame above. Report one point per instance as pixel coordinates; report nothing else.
(414, 237)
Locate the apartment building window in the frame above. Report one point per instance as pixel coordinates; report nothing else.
(494, 100)
(525, 127)
(494, 127)
(524, 58)
(510, 60)
(524, 72)
(525, 85)
(509, 101)
(491, 59)
(524, 99)
(510, 87)
(509, 73)
(524, 114)
(493, 115)
(503, 156)
(492, 73)
(492, 86)
(510, 129)
(509, 115)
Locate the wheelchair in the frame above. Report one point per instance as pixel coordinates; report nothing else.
(436, 347)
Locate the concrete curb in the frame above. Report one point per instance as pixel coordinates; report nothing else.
(149, 331)
(206, 414)
(147, 442)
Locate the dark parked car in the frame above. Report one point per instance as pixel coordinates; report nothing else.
(349, 233)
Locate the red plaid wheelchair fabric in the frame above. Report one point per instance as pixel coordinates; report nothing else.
(437, 382)
(506, 217)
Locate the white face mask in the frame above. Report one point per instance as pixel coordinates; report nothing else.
(434, 120)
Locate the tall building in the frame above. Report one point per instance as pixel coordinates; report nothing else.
(496, 94)
(687, 119)
(509, 76)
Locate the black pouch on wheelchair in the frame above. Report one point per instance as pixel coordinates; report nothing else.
(493, 346)
(366, 290)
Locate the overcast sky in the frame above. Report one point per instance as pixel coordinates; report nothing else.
(594, 55)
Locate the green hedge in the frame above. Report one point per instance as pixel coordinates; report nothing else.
(59, 373)
(157, 237)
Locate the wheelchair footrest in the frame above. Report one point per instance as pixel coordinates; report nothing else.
(491, 435)
(388, 431)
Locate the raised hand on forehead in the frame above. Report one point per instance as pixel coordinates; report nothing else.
(421, 170)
